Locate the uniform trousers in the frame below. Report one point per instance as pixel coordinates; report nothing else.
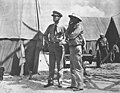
(56, 54)
(76, 66)
(103, 53)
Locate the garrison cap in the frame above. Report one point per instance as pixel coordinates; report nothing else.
(56, 13)
(75, 16)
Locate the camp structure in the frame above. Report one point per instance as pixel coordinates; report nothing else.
(19, 22)
(113, 36)
(93, 26)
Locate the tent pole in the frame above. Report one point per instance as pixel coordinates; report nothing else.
(37, 49)
(37, 14)
(21, 43)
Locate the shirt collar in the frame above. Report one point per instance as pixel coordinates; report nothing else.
(58, 25)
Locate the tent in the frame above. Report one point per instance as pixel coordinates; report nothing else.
(16, 18)
(93, 26)
(113, 33)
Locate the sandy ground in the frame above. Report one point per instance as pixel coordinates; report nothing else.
(99, 80)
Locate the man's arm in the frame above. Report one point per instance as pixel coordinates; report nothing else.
(84, 42)
(107, 44)
(64, 37)
(46, 35)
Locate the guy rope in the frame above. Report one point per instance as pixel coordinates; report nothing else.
(111, 53)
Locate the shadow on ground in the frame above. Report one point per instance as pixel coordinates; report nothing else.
(106, 78)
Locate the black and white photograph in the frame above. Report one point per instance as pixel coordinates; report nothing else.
(59, 46)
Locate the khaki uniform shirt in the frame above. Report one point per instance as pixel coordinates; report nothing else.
(54, 36)
(76, 38)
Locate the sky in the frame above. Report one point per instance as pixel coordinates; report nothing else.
(83, 8)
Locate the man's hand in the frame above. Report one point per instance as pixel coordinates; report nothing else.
(62, 43)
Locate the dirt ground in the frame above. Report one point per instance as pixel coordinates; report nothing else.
(98, 80)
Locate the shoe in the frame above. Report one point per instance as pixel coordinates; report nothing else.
(59, 86)
(71, 87)
(77, 89)
(85, 73)
(48, 85)
(1, 78)
(30, 75)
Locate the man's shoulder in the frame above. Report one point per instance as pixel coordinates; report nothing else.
(79, 29)
(80, 26)
(99, 39)
(51, 25)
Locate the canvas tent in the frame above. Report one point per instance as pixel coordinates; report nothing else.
(93, 26)
(12, 15)
(113, 33)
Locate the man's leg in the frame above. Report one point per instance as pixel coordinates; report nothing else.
(52, 59)
(77, 72)
(59, 56)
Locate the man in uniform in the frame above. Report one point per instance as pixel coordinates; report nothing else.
(75, 40)
(103, 46)
(54, 37)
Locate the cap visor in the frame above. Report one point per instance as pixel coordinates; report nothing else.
(74, 17)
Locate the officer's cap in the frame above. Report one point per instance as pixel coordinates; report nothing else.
(73, 15)
(56, 13)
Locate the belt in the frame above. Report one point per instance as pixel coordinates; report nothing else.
(75, 45)
(54, 42)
